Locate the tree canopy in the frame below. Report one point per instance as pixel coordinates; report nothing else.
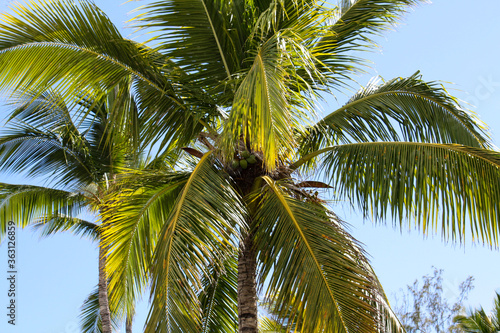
(224, 99)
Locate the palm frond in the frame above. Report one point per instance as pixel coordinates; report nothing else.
(478, 321)
(111, 130)
(123, 124)
(45, 111)
(164, 121)
(496, 312)
(202, 223)
(133, 227)
(35, 152)
(440, 187)
(318, 271)
(71, 47)
(219, 297)
(268, 325)
(276, 318)
(78, 143)
(196, 215)
(54, 224)
(260, 113)
(403, 109)
(353, 28)
(205, 37)
(26, 204)
(279, 15)
(90, 318)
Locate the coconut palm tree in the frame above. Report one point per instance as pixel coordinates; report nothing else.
(478, 321)
(234, 84)
(77, 150)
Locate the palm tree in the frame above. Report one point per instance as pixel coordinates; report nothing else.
(78, 151)
(234, 83)
(478, 321)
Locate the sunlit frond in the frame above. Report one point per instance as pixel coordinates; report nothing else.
(205, 37)
(235, 78)
(403, 109)
(133, 227)
(261, 113)
(445, 188)
(353, 28)
(478, 321)
(268, 325)
(317, 271)
(197, 215)
(72, 48)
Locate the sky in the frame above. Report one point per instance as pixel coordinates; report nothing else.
(456, 42)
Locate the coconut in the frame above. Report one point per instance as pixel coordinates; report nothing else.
(243, 164)
(252, 159)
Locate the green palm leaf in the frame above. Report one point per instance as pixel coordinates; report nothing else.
(72, 48)
(355, 24)
(35, 152)
(82, 146)
(478, 321)
(261, 114)
(241, 77)
(496, 312)
(79, 23)
(164, 121)
(208, 36)
(54, 224)
(44, 111)
(407, 109)
(318, 271)
(439, 186)
(210, 201)
(90, 316)
(27, 204)
(268, 325)
(122, 124)
(133, 229)
(78, 143)
(219, 297)
(200, 220)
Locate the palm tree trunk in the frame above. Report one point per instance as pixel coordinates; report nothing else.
(247, 291)
(103, 291)
(128, 325)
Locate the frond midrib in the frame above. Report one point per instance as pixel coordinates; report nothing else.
(219, 47)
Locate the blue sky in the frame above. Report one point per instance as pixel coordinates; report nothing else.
(453, 41)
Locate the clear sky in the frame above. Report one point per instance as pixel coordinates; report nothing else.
(453, 41)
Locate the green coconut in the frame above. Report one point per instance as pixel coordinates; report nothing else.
(245, 154)
(243, 164)
(252, 159)
(235, 164)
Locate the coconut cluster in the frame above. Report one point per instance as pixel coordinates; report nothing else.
(246, 159)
